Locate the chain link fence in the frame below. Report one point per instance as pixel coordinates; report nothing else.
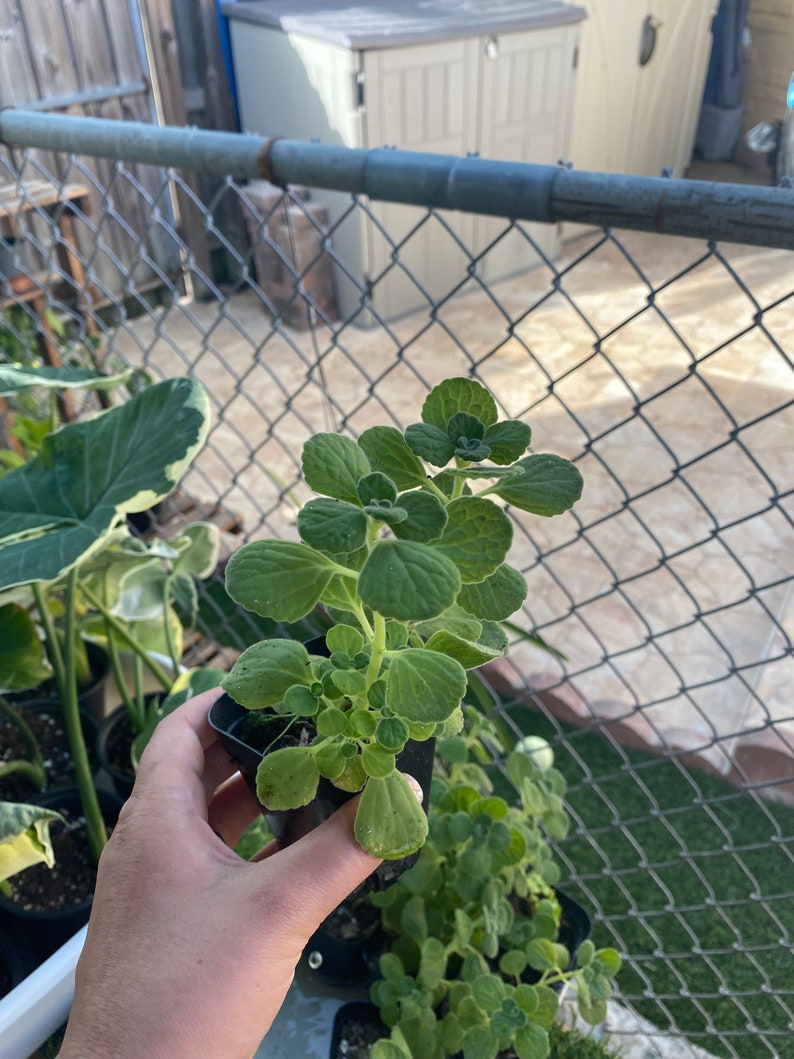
(661, 364)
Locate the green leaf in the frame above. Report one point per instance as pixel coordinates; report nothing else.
(531, 1042)
(497, 596)
(479, 1043)
(413, 920)
(332, 525)
(24, 837)
(388, 452)
(377, 763)
(390, 822)
(547, 486)
(470, 655)
(376, 488)
(278, 579)
(16, 378)
(423, 685)
(458, 395)
(287, 778)
(430, 443)
(585, 953)
(197, 546)
(391, 734)
(476, 538)
(408, 581)
(542, 955)
(432, 963)
(262, 674)
(60, 506)
(330, 760)
(609, 961)
(488, 991)
(507, 441)
(332, 465)
(455, 620)
(386, 513)
(427, 517)
(23, 663)
(344, 638)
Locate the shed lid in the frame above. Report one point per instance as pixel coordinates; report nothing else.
(391, 23)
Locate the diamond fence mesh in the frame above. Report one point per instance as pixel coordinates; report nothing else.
(662, 365)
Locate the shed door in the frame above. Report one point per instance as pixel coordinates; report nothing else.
(527, 88)
(633, 118)
(421, 99)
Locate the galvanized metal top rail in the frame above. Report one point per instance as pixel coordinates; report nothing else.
(760, 216)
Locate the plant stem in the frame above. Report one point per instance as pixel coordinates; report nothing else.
(123, 633)
(133, 706)
(378, 647)
(95, 825)
(51, 641)
(33, 769)
(169, 640)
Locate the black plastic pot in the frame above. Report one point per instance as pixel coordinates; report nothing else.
(575, 926)
(371, 1029)
(337, 950)
(116, 733)
(56, 753)
(47, 929)
(226, 717)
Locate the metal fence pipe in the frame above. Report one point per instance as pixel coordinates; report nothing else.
(102, 94)
(759, 216)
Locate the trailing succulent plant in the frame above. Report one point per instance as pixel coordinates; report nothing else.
(475, 926)
(405, 548)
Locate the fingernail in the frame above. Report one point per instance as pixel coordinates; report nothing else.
(415, 787)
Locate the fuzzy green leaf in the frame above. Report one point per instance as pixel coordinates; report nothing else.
(497, 596)
(531, 1042)
(332, 525)
(388, 452)
(548, 485)
(507, 441)
(332, 465)
(493, 644)
(430, 443)
(488, 991)
(432, 963)
(377, 763)
(287, 778)
(424, 686)
(376, 487)
(408, 580)
(262, 674)
(390, 822)
(278, 579)
(479, 1043)
(458, 395)
(344, 638)
(476, 538)
(426, 519)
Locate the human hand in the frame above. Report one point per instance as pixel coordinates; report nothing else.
(190, 949)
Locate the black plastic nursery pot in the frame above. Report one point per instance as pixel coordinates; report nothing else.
(114, 746)
(226, 717)
(357, 1025)
(45, 718)
(47, 928)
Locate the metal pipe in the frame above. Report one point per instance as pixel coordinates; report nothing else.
(760, 216)
(87, 95)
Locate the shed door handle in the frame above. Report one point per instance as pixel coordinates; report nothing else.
(648, 38)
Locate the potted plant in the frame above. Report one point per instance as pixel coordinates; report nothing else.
(405, 547)
(481, 940)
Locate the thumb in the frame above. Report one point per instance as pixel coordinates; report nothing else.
(322, 868)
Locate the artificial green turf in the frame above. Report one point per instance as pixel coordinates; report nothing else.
(695, 881)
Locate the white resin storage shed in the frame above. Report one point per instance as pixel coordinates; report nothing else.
(448, 76)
